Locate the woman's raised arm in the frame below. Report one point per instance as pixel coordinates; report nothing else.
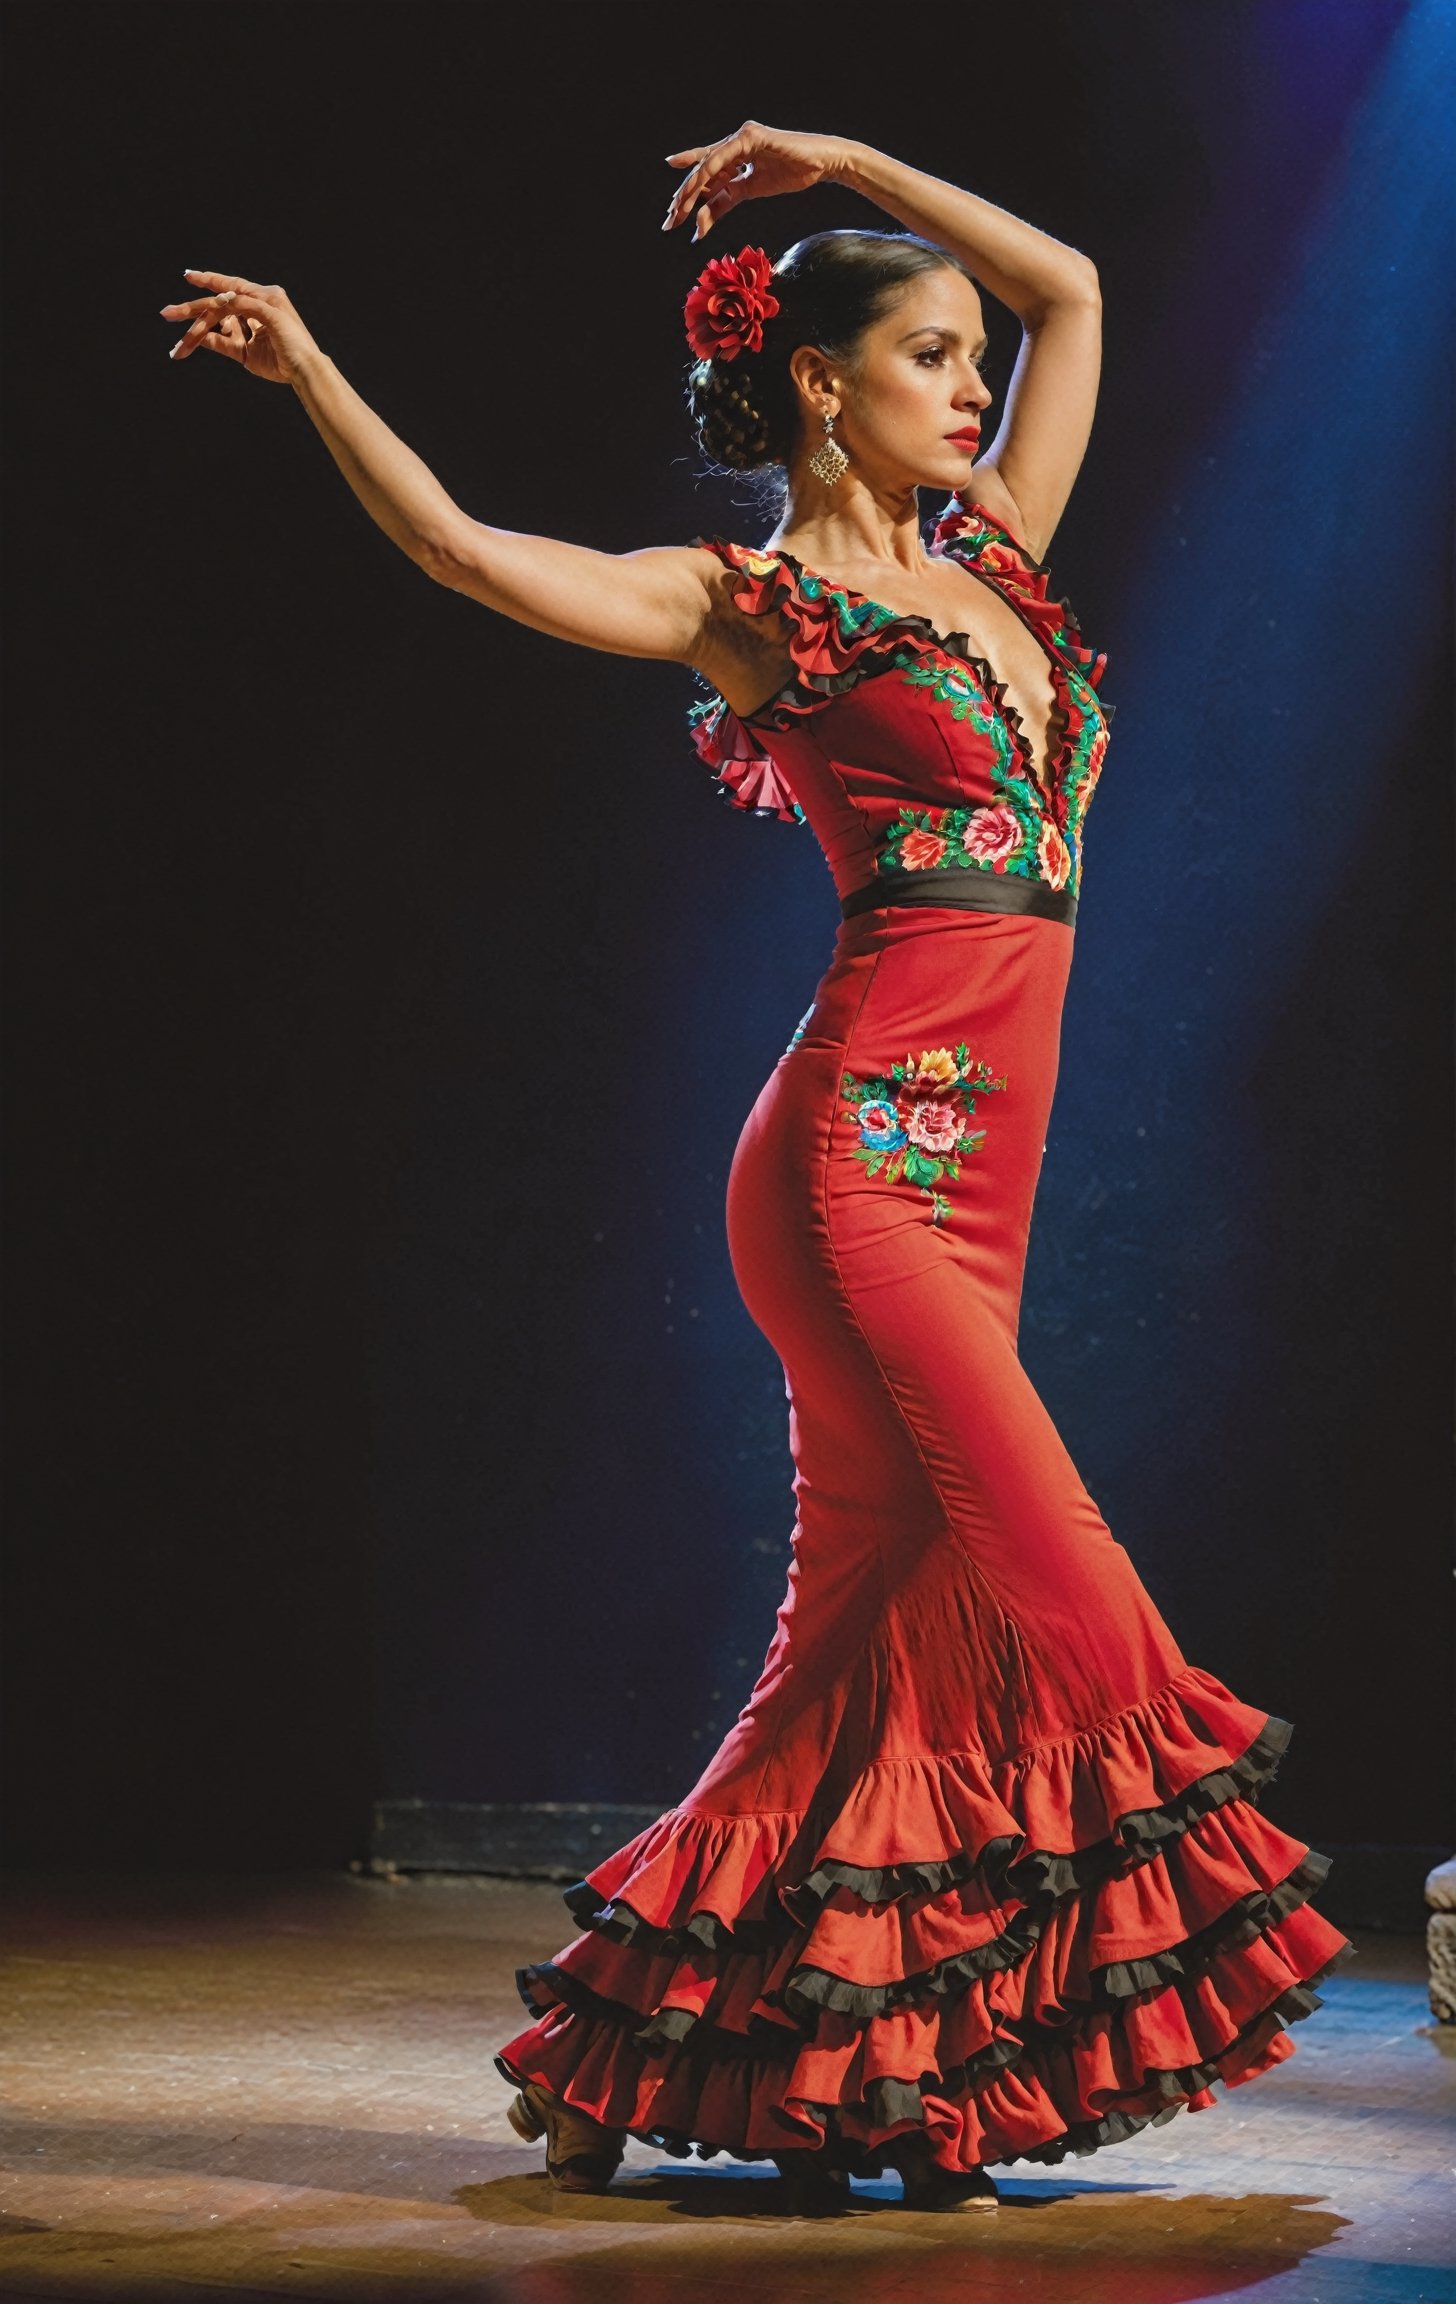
(1052, 288)
(656, 602)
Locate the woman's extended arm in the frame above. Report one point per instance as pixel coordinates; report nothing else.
(647, 603)
(650, 603)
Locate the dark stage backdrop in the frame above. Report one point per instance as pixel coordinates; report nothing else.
(387, 985)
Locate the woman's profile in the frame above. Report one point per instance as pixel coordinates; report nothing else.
(979, 1873)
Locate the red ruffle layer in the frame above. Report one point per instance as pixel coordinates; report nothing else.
(970, 531)
(1116, 1782)
(1034, 2093)
(1030, 1957)
(867, 1959)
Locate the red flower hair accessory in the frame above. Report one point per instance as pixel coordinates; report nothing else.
(728, 304)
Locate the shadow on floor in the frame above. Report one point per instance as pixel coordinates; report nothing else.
(1043, 2244)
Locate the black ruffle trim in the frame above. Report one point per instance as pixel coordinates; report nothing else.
(1291, 2007)
(807, 1991)
(878, 645)
(1091, 661)
(1042, 1876)
(1120, 1981)
(1261, 1910)
(624, 1925)
(1173, 2087)
(876, 652)
(1037, 1879)
(896, 2103)
(542, 1986)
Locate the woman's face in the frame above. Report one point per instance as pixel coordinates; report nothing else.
(911, 406)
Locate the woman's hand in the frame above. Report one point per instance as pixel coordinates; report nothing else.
(752, 165)
(257, 327)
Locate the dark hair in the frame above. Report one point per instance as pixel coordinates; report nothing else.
(831, 288)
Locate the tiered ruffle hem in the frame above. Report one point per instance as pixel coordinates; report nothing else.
(1028, 1958)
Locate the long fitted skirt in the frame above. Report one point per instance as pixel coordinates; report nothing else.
(982, 1852)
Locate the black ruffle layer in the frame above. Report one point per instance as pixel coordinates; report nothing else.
(1043, 1876)
(1119, 1981)
(892, 2103)
(1038, 1879)
(810, 1990)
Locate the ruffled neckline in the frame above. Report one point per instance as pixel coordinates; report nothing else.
(970, 529)
(838, 636)
(920, 631)
(945, 537)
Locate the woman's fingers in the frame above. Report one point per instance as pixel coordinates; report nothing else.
(217, 321)
(204, 307)
(706, 193)
(754, 164)
(677, 205)
(201, 314)
(223, 298)
(231, 339)
(719, 163)
(217, 279)
(719, 203)
(690, 160)
(255, 326)
(702, 178)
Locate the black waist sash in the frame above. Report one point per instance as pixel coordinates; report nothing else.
(969, 888)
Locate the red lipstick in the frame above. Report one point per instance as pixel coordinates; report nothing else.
(969, 438)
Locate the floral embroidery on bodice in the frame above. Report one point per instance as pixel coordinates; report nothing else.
(895, 742)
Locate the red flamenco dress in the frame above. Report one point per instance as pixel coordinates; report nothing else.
(981, 1854)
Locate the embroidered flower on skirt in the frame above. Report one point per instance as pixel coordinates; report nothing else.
(912, 1122)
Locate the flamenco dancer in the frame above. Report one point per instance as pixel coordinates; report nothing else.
(978, 1875)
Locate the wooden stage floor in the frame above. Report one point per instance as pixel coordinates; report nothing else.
(265, 2088)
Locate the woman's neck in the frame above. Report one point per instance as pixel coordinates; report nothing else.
(852, 525)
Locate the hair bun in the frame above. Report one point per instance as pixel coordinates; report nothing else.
(731, 425)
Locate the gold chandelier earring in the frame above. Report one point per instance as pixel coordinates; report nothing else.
(829, 462)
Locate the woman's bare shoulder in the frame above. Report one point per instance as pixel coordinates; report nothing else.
(741, 650)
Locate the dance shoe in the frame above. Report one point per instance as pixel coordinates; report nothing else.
(581, 2155)
(953, 2191)
(808, 2187)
